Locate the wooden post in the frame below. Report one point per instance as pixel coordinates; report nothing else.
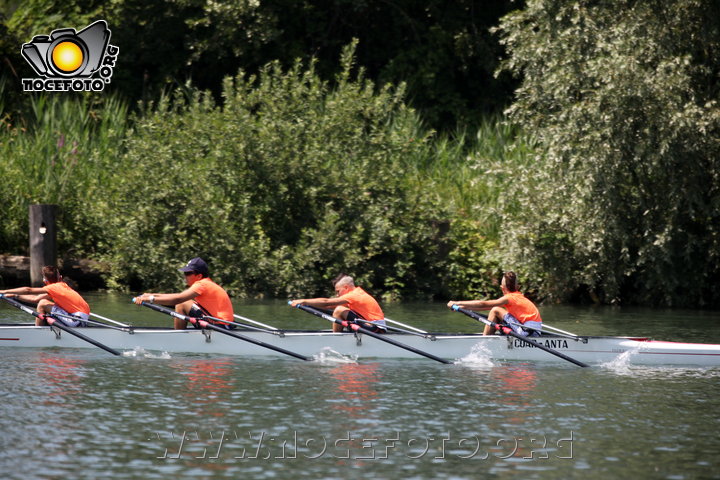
(43, 247)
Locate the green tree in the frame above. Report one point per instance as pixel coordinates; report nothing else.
(442, 50)
(625, 199)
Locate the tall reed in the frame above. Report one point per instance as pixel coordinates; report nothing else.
(469, 172)
(63, 151)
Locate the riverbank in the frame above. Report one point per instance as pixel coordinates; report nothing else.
(81, 274)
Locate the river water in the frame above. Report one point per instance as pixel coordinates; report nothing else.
(84, 414)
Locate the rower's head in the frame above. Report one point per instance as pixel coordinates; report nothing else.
(509, 282)
(51, 274)
(196, 269)
(343, 284)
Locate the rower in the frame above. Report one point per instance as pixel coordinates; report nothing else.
(202, 298)
(518, 310)
(352, 304)
(56, 297)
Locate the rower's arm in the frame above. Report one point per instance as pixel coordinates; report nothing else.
(168, 299)
(33, 298)
(320, 302)
(25, 291)
(479, 304)
(27, 294)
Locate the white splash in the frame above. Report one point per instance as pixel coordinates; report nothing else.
(329, 356)
(139, 352)
(621, 363)
(479, 357)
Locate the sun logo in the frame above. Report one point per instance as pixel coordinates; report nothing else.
(67, 56)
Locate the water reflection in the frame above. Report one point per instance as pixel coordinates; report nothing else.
(355, 388)
(109, 418)
(208, 385)
(515, 386)
(355, 405)
(64, 375)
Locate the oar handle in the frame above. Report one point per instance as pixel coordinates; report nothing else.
(330, 318)
(167, 311)
(320, 313)
(173, 313)
(22, 307)
(193, 320)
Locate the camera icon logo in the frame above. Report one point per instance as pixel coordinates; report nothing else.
(67, 59)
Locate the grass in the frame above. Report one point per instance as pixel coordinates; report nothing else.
(59, 149)
(469, 172)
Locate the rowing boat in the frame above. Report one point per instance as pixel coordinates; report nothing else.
(593, 350)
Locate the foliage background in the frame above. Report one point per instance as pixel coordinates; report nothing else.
(260, 135)
(623, 97)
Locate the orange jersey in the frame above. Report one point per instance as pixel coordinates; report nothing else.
(521, 308)
(360, 302)
(213, 299)
(66, 298)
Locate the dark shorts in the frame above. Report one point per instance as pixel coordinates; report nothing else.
(67, 318)
(197, 312)
(516, 326)
(354, 317)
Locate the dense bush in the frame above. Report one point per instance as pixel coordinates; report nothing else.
(285, 184)
(603, 185)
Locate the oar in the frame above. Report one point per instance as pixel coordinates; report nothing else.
(571, 336)
(390, 320)
(265, 328)
(206, 325)
(110, 320)
(548, 327)
(94, 322)
(58, 324)
(417, 332)
(250, 320)
(367, 332)
(429, 336)
(509, 331)
(275, 331)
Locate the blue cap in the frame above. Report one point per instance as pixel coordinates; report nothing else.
(196, 265)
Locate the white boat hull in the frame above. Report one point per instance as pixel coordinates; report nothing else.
(590, 350)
